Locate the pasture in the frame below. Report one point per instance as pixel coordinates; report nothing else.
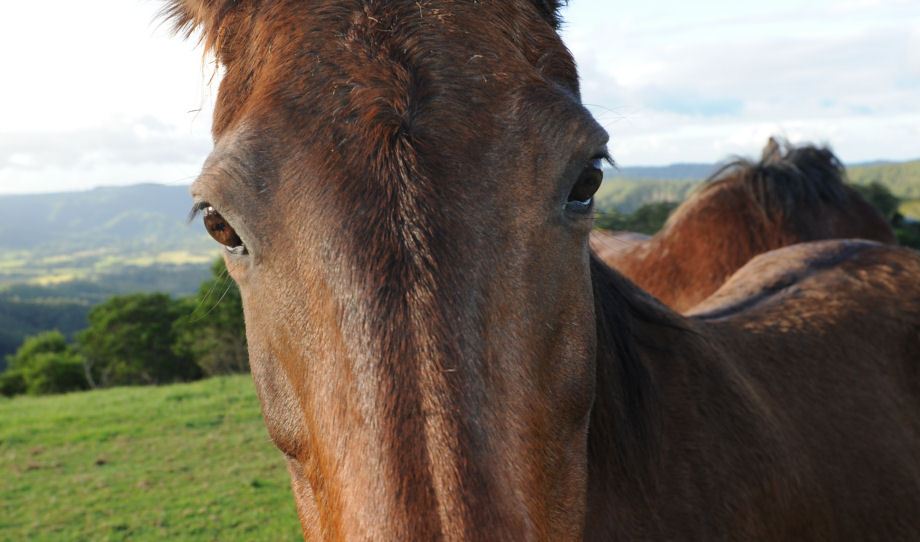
(911, 209)
(182, 462)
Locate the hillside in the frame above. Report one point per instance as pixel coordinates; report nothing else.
(62, 253)
(184, 462)
(627, 189)
(55, 238)
(903, 179)
(104, 218)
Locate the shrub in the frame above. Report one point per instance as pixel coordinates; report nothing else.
(44, 364)
(880, 197)
(130, 341)
(12, 383)
(54, 373)
(647, 219)
(908, 233)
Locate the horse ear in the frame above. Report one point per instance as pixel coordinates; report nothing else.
(217, 20)
(550, 10)
(773, 150)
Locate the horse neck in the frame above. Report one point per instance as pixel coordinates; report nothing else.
(630, 325)
(703, 245)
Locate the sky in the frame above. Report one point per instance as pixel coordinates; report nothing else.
(98, 92)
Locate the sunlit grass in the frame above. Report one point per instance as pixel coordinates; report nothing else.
(60, 277)
(183, 462)
(176, 257)
(12, 263)
(911, 209)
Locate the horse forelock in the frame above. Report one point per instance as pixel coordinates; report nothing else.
(218, 20)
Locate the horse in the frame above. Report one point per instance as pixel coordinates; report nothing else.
(404, 189)
(792, 195)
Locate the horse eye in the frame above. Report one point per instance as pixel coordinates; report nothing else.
(582, 195)
(222, 231)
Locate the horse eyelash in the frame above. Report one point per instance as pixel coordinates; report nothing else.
(606, 157)
(196, 210)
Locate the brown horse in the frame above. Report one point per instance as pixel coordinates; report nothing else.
(405, 190)
(793, 195)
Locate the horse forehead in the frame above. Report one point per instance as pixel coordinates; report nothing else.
(387, 64)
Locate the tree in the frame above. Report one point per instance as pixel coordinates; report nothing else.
(130, 341)
(647, 219)
(212, 330)
(55, 373)
(879, 196)
(44, 364)
(907, 232)
(49, 342)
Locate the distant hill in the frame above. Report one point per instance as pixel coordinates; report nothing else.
(135, 218)
(628, 188)
(62, 253)
(55, 238)
(674, 172)
(903, 179)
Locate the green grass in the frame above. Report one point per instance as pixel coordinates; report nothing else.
(183, 462)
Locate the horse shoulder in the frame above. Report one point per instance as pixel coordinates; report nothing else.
(817, 343)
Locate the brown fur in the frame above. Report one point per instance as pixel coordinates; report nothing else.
(439, 357)
(793, 195)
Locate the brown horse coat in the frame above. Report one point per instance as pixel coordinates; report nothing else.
(404, 189)
(793, 195)
(784, 408)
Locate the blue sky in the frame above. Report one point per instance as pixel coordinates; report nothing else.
(98, 103)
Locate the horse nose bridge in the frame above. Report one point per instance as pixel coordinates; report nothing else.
(437, 434)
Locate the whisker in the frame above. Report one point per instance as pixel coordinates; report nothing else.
(223, 275)
(611, 241)
(205, 315)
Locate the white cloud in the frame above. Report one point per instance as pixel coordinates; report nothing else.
(118, 152)
(677, 83)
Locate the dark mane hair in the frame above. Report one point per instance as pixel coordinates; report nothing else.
(787, 178)
(550, 9)
(625, 385)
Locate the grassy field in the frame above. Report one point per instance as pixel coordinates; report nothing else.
(911, 209)
(183, 462)
(23, 267)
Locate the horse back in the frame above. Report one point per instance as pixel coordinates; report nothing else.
(820, 285)
(821, 343)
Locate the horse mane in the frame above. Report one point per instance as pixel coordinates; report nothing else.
(787, 179)
(629, 322)
(550, 9)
